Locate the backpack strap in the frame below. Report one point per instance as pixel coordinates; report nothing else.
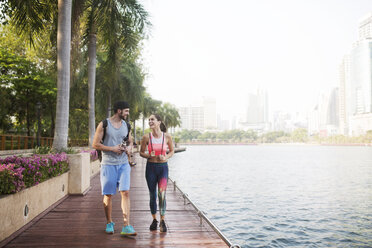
(129, 127)
(104, 122)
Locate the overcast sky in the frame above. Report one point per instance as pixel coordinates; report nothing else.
(227, 49)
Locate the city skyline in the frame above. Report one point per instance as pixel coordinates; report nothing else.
(278, 47)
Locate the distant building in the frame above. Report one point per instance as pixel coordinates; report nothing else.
(323, 119)
(222, 125)
(186, 117)
(199, 116)
(355, 80)
(365, 27)
(288, 122)
(210, 113)
(257, 115)
(361, 77)
(344, 95)
(361, 123)
(333, 117)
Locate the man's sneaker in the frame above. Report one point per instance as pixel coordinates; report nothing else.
(163, 227)
(154, 225)
(110, 227)
(128, 231)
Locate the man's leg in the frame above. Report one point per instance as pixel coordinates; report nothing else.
(107, 205)
(124, 185)
(125, 206)
(108, 186)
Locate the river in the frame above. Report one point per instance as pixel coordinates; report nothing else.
(281, 195)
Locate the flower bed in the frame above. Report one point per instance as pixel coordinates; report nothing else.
(17, 173)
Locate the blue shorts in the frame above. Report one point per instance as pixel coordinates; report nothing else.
(114, 177)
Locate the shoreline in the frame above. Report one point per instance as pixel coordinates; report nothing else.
(274, 144)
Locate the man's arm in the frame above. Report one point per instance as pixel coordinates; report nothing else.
(97, 141)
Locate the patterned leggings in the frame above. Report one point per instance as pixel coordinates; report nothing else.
(157, 174)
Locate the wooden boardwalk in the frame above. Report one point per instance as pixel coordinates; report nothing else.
(79, 221)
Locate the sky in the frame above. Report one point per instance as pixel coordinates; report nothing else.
(228, 49)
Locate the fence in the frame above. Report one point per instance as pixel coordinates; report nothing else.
(19, 142)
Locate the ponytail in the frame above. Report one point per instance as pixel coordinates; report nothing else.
(163, 128)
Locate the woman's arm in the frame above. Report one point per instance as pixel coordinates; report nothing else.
(170, 146)
(144, 142)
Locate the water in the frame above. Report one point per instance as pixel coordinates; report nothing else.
(282, 196)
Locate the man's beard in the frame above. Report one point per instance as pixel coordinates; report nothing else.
(122, 117)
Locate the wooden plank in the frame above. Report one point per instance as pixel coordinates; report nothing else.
(79, 221)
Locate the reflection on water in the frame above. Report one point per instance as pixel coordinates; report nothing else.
(282, 196)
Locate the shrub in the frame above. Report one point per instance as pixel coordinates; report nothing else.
(11, 178)
(19, 172)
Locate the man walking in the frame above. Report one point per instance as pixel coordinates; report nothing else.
(115, 168)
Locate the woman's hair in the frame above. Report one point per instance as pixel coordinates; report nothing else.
(163, 128)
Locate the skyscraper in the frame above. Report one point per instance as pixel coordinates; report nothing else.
(365, 27)
(210, 113)
(344, 95)
(356, 83)
(257, 109)
(257, 115)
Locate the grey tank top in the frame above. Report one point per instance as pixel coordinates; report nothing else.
(114, 136)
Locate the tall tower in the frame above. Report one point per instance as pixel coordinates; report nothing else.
(344, 95)
(361, 69)
(365, 27)
(210, 113)
(356, 83)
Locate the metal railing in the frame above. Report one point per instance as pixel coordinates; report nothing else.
(20, 142)
(203, 216)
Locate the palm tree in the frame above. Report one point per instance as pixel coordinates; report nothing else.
(149, 107)
(170, 115)
(32, 17)
(63, 78)
(121, 25)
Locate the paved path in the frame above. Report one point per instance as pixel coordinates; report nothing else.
(79, 221)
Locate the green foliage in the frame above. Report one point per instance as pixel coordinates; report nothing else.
(27, 83)
(68, 150)
(299, 135)
(43, 150)
(170, 115)
(49, 150)
(9, 180)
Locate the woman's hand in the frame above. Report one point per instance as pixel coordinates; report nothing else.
(162, 157)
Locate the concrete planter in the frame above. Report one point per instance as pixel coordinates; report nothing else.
(80, 171)
(95, 168)
(16, 210)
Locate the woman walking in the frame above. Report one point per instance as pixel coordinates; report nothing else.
(157, 143)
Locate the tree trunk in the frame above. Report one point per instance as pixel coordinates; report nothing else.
(52, 126)
(91, 86)
(108, 105)
(63, 78)
(28, 119)
(143, 125)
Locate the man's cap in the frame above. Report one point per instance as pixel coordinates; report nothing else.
(121, 105)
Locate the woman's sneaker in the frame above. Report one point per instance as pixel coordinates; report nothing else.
(163, 227)
(154, 225)
(110, 227)
(128, 231)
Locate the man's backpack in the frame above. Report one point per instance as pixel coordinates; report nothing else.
(104, 122)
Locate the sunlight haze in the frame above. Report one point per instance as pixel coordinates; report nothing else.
(227, 49)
